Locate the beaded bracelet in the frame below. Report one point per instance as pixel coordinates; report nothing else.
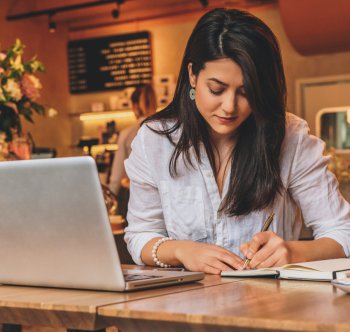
(155, 249)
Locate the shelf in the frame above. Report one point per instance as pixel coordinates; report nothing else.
(95, 149)
(116, 110)
(98, 147)
(87, 116)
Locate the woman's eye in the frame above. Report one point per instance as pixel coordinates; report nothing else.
(216, 92)
(242, 92)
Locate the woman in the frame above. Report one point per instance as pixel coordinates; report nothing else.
(207, 171)
(144, 104)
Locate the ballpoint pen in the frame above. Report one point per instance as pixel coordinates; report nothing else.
(263, 229)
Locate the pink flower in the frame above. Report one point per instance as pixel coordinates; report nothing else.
(30, 86)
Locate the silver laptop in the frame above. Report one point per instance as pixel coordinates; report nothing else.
(55, 231)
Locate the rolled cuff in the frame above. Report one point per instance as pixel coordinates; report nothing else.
(136, 242)
(342, 239)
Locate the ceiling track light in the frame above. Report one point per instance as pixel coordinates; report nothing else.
(52, 23)
(204, 3)
(61, 9)
(116, 12)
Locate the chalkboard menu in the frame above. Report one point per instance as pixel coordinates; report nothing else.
(109, 63)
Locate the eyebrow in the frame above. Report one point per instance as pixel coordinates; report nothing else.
(222, 83)
(217, 81)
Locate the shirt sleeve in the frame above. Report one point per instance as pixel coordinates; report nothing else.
(118, 170)
(145, 214)
(315, 189)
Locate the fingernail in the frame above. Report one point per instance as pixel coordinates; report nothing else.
(250, 254)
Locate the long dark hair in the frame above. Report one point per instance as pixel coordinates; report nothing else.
(255, 170)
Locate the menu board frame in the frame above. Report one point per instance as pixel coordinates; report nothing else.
(112, 62)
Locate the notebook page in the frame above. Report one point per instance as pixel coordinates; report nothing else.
(324, 265)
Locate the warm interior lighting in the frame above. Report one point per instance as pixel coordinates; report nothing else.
(106, 115)
(348, 116)
(52, 24)
(100, 148)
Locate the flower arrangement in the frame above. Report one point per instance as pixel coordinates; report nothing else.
(19, 90)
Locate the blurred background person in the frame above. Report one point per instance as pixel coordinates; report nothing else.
(144, 104)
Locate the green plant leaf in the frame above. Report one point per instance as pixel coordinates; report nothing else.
(38, 108)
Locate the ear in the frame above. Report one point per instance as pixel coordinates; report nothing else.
(192, 77)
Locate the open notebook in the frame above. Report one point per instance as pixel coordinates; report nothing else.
(324, 270)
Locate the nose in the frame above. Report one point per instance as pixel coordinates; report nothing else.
(229, 103)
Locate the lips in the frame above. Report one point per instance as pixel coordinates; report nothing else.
(225, 119)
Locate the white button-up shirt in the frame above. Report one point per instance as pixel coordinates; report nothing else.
(186, 207)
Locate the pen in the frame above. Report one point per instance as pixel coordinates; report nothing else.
(263, 229)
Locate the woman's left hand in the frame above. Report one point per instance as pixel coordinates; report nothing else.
(266, 249)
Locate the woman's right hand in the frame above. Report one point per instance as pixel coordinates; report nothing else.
(208, 258)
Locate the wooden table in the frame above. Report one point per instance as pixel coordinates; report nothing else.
(214, 304)
(75, 309)
(248, 305)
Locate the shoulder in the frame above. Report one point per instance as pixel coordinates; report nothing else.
(150, 152)
(300, 149)
(153, 130)
(297, 129)
(151, 143)
(295, 125)
(298, 132)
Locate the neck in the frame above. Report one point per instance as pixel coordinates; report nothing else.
(223, 143)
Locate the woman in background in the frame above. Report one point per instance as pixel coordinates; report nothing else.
(144, 104)
(206, 172)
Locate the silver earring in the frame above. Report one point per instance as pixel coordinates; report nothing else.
(192, 94)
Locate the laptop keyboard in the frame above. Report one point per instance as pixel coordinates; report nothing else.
(133, 277)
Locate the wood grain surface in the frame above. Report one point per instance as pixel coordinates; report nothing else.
(75, 309)
(249, 305)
